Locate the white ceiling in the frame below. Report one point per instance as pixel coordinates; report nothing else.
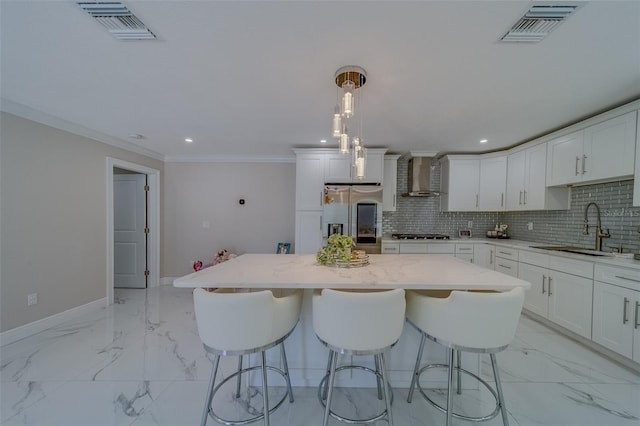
(255, 78)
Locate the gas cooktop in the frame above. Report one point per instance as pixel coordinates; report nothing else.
(420, 236)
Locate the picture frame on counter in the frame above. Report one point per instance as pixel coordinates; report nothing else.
(283, 248)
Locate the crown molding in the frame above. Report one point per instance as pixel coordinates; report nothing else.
(29, 113)
(229, 159)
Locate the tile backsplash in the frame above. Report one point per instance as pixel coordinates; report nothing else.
(422, 215)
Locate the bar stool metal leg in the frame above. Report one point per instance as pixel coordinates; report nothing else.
(265, 393)
(459, 356)
(385, 386)
(496, 374)
(416, 372)
(450, 389)
(207, 401)
(238, 381)
(285, 367)
(332, 375)
(377, 362)
(326, 383)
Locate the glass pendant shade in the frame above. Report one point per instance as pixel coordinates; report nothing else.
(337, 122)
(360, 155)
(348, 98)
(344, 141)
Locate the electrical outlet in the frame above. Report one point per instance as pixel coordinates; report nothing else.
(32, 299)
(470, 224)
(530, 226)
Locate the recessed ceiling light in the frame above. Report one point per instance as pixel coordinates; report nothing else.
(137, 136)
(188, 140)
(484, 140)
(323, 141)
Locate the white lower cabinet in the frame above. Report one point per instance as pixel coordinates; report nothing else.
(390, 248)
(465, 251)
(483, 255)
(616, 306)
(506, 260)
(561, 297)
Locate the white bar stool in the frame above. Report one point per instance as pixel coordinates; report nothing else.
(481, 322)
(357, 323)
(232, 323)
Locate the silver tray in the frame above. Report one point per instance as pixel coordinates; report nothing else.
(353, 263)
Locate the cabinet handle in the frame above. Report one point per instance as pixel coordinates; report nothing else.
(628, 279)
(321, 223)
(525, 197)
(321, 199)
(502, 200)
(577, 161)
(520, 198)
(635, 319)
(476, 200)
(505, 253)
(490, 257)
(544, 278)
(624, 311)
(464, 248)
(394, 200)
(584, 164)
(549, 288)
(504, 266)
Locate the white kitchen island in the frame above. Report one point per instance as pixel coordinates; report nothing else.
(307, 357)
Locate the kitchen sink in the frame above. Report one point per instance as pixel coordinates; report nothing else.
(572, 249)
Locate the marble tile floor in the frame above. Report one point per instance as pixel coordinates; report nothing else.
(140, 362)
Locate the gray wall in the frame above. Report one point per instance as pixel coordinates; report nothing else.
(52, 219)
(209, 192)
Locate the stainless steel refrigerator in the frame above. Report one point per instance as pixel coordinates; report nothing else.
(354, 210)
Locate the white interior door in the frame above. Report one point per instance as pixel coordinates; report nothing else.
(129, 238)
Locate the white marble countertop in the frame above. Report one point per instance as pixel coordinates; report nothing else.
(420, 271)
(607, 258)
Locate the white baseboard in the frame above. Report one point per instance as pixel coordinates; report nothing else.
(168, 280)
(32, 328)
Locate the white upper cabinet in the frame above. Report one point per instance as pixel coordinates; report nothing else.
(493, 179)
(526, 182)
(564, 159)
(636, 186)
(472, 184)
(309, 181)
(390, 183)
(611, 147)
(338, 168)
(460, 184)
(600, 152)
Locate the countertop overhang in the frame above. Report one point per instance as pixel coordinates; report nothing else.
(431, 271)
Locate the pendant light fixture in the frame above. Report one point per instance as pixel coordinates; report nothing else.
(350, 80)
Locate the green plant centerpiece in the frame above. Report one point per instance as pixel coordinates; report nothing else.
(338, 249)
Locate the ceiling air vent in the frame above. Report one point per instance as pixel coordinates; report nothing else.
(538, 22)
(118, 20)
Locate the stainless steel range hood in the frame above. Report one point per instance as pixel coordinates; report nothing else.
(420, 178)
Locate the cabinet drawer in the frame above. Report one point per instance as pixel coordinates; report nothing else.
(441, 248)
(464, 248)
(415, 248)
(506, 266)
(572, 266)
(507, 253)
(532, 258)
(390, 248)
(623, 277)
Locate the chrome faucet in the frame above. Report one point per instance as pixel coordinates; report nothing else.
(600, 234)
